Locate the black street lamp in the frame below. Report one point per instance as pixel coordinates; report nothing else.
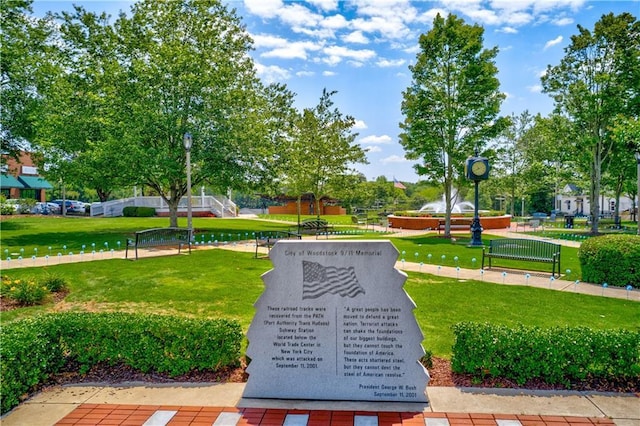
(188, 141)
(477, 169)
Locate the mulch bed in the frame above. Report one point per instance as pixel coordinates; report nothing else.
(440, 373)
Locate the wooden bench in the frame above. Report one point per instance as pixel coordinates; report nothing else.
(159, 237)
(269, 238)
(523, 249)
(315, 227)
(457, 224)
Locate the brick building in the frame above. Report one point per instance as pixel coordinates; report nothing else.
(20, 179)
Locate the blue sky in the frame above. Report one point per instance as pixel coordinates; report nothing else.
(362, 50)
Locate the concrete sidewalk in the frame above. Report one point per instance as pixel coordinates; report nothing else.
(68, 404)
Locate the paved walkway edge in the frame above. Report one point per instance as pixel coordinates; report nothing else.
(53, 405)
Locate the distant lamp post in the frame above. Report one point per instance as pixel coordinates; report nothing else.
(188, 142)
(637, 154)
(477, 169)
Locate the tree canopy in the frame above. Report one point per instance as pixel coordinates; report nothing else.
(597, 80)
(451, 107)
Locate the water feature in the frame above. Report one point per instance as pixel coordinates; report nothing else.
(441, 206)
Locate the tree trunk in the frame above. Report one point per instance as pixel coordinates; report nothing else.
(173, 212)
(448, 183)
(594, 196)
(103, 195)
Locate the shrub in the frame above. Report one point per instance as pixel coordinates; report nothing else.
(6, 209)
(29, 355)
(614, 259)
(53, 283)
(26, 292)
(556, 355)
(35, 348)
(135, 211)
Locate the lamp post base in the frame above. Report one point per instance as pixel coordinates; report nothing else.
(476, 233)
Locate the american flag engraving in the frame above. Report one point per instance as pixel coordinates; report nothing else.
(319, 280)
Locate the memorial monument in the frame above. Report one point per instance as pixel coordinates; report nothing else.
(334, 323)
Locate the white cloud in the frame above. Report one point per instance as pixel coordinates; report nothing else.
(372, 148)
(271, 73)
(507, 30)
(386, 63)
(360, 124)
(553, 42)
(326, 5)
(394, 159)
(328, 73)
(335, 22)
(561, 22)
(293, 50)
(305, 73)
(335, 54)
(263, 8)
(373, 139)
(537, 88)
(355, 37)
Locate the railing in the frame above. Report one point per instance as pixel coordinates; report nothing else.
(220, 206)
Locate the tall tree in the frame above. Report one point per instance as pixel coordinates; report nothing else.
(512, 161)
(80, 131)
(165, 69)
(451, 107)
(188, 70)
(598, 78)
(621, 173)
(322, 151)
(23, 46)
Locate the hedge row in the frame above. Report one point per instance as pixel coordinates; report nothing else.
(35, 348)
(611, 259)
(133, 211)
(559, 355)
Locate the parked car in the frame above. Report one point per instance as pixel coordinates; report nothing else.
(53, 208)
(40, 208)
(71, 206)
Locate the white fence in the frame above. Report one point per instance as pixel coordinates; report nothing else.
(220, 206)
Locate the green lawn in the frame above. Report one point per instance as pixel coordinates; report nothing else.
(222, 283)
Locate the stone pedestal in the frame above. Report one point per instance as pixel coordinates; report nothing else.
(335, 323)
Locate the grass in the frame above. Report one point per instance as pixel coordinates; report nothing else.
(222, 283)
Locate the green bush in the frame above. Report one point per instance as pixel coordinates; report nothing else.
(557, 355)
(26, 292)
(614, 259)
(29, 354)
(36, 348)
(134, 211)
(53, 283)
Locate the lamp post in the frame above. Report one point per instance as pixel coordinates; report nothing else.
(637, 155)
(188, 141)
(477, 169)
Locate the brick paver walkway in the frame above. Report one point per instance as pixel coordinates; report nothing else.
(130, 415)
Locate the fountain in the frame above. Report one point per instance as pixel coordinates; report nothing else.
(430, 215)
(440, 206)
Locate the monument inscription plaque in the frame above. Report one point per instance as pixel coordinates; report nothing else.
(335, 323)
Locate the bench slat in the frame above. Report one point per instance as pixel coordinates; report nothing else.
(160, 237)
(523, 249)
